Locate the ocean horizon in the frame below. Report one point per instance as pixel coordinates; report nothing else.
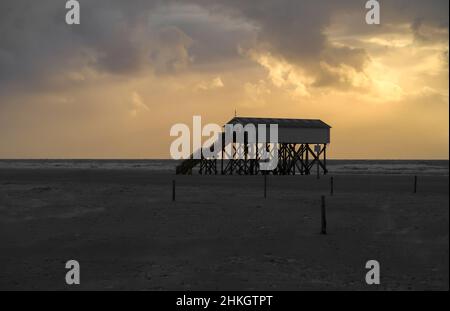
(335, 167)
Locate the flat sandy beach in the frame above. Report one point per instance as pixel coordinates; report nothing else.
(220, 234)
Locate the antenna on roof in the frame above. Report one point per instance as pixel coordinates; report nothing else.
(235, 113)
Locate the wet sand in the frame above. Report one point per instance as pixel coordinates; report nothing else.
(220, 234)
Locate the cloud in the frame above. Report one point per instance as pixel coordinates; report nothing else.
(295, 58)
(283, 74)
(171, 51)
(137, 104)
(114, 38)
(117, 38)
(215, 83)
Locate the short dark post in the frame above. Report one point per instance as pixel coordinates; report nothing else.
(415, 184)
(331, 185)
(173, 190)
(324, 217)
(265, 185)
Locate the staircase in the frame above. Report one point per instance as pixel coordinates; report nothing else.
(187, 165)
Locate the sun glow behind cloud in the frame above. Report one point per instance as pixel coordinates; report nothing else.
(117, 92)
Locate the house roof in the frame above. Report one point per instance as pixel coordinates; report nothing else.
(288, 123)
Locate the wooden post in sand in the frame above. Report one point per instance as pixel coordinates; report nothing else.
(173, 190)
(324, 217)
(331, 185)
(415, 184)
(265, 186)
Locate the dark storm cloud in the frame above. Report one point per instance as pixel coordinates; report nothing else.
(114, 37)
(124, 37)
(35, 40)
(294, 30)
(29, 40)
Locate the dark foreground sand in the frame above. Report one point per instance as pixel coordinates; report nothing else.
(220, 234)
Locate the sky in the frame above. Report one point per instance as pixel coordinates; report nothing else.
(114, 85)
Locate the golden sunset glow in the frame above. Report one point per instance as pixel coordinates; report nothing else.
(114, 86)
